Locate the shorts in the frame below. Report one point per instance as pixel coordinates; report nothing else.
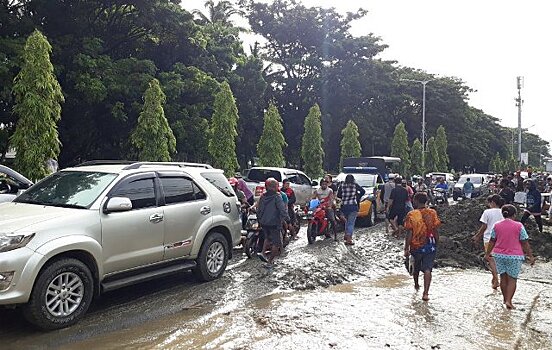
(510, 265)
(272, 233)
(423, 261)
(330, 214)
(400, 217)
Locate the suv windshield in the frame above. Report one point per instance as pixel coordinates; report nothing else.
(261, 175)
(69, 189)
(220, 182)
(473, 180)
(363, 180)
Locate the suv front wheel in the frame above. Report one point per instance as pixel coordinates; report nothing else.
(213, 257)
(61, 295)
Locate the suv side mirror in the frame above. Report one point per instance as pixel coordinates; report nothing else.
(117, 204)
(314, 183)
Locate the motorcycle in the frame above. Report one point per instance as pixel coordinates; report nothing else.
(319, 225)
(439, 196)
(254, 238)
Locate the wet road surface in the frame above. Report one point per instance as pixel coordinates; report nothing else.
(325, 296)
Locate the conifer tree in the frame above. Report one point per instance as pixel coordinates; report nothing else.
(399, 148)
(153, 137)
(38, 99)
(270, 148)
(350, 145)
(416, 158)
(442, 144)
(312, 152)
(223, 131)
(432, 155)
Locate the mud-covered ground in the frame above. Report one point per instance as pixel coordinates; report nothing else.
(325, 295)
(461, 221)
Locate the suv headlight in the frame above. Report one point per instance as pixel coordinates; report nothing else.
(11, 241)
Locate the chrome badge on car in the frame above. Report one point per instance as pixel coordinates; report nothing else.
(227, 207)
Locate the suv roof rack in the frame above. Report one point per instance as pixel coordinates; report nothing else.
(105, 162)
(138, 165)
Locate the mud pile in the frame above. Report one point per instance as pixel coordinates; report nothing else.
(461, 221)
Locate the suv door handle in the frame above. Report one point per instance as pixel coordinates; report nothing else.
(156, 218)
(205, 210)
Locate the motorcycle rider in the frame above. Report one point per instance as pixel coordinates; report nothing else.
(420, 186)
(533, 204)
(272, 213)
(443, 185)
(286, 188)
(326, 196)
(241, 198)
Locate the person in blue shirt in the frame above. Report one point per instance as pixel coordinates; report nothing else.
(443, 185)
(468, 188)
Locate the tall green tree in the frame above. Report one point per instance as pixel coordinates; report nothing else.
(272, 143)
(312, 151)
(38, 99)
(416, 167)
(224, 122)
(350, 146)
(153, 137)
(432, 155)
(442, 147)
(399, 148)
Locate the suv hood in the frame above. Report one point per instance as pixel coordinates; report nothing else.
(461, 186)
(17, 216)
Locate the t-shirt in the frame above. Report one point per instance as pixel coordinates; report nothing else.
(431, 220)
(443, 186)
(399, 195)
(240, 194)
(415, 222)
(410, 193)
(323, 194)
(468, 187)
(490, 217)
(508, 235)
(387, 189)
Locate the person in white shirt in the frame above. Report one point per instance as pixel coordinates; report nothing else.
(488, 219)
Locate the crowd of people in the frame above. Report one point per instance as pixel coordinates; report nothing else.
(409, 215)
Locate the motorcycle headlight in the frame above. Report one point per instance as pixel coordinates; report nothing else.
(11, 241)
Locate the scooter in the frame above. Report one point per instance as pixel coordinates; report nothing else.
(439, 196)
(319, 225)
(254, 238)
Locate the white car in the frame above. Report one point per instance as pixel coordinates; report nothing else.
(12, 184)
(301, 184)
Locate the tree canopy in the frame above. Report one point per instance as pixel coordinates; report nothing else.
(312, 152)
(105, 54)
(350, 146)
(38, 99)
(271, 145)
(400, 148)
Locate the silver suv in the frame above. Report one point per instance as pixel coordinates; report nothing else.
(102, 226)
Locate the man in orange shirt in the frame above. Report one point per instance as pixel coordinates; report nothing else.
(421, 240)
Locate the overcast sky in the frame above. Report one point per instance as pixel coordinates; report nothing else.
(485, 43)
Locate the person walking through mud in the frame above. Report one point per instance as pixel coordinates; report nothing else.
(349, 193)
(533, 204)
(421, 240)
(509, 245)
(397, 207)
(272, 213)
(488, 219)
(386, 193)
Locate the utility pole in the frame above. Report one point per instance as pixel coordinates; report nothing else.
(519, 102)
(424, 83)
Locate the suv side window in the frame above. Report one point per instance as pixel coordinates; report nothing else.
(180, 189)
(294, 179)
(140, 192)
(304, 180)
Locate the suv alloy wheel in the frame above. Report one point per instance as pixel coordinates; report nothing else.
(213, 257)
(61, 295)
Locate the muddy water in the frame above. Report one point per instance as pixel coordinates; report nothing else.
(463, 313)
(321, 296)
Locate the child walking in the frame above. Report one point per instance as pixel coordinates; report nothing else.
(421, 240)
(509, 244)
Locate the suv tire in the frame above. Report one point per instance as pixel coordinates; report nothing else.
(213, 257)
(61, 295)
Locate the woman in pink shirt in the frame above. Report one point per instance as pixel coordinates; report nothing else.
(509, 244)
